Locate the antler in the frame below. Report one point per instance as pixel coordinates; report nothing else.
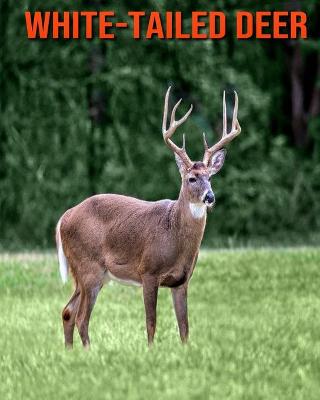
(167, 133)
(226, 137)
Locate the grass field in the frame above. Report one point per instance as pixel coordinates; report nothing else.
(255, 333)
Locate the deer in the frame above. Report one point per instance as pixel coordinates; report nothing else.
(150, 244)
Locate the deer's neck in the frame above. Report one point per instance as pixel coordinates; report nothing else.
(190, 218)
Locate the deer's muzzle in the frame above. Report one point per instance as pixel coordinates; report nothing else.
(209, 198)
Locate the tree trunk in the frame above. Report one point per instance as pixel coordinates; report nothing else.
(298, 120)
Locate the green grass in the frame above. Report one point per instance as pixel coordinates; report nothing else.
(255, 333)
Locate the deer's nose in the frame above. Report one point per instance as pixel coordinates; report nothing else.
(209, 198)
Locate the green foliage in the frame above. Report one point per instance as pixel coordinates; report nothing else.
(254, 322)
(53, 154)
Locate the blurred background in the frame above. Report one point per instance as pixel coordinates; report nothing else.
(80, 117)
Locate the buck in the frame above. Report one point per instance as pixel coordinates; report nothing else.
(143, 243)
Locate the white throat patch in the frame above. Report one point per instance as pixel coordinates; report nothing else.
(198, 210)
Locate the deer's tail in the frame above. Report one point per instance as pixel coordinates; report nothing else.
(63, 264)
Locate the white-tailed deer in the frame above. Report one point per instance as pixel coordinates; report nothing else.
(144, 243)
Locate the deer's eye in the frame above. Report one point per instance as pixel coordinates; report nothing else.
(192, 180)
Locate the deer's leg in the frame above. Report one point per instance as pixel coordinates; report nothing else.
(179, 296)
(90, 281)
(150, 296)
(68, 317)
(88, 297)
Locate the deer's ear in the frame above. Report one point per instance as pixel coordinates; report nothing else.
(217, 161)
(181, 165)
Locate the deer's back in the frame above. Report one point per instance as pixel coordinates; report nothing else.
(117, 225)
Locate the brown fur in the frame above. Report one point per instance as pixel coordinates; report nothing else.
(152, 243)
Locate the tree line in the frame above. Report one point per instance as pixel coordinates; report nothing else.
(80, 117)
